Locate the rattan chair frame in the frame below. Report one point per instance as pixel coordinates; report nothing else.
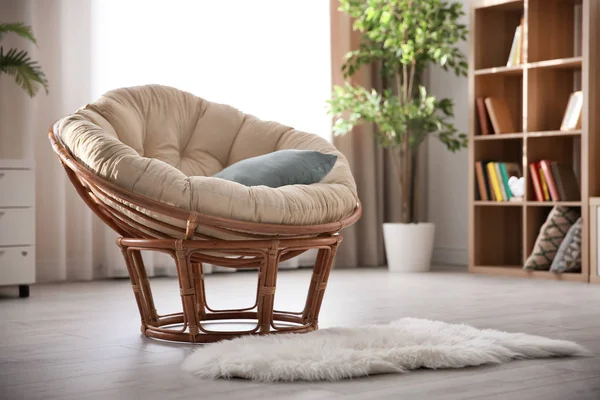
(255, 246)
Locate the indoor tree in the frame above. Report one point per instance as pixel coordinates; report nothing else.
(27, 73)
(402, 38)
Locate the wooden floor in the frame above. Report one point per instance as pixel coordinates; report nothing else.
(82, 340)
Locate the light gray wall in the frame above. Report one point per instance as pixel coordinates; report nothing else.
(447, 172)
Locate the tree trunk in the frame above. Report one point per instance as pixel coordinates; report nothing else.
(403, 166)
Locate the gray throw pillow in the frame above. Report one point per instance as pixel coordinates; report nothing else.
(280, 168)
(568, 256)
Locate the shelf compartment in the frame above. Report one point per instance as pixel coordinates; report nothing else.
(494, 29)
(560, 63)
(548, 92)
(507, 87)
(536, 217)
(562, 149)
(498, 235)
(552, 30)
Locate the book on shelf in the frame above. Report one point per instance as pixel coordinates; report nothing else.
(545, 165)
(485, 127)
(553, 181)
(566, 182)
(482, 182)
(497, 109)
(545, 192)
(535, 180)
(504, 175)
(572, 117)
(505, 195)
(493, 181)
(515, 56)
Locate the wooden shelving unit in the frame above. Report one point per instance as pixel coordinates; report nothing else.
(557, 61)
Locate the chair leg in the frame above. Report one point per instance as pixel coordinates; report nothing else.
(137, 292)
(144, 283)
(266, 291)
(198, 274)
(186, 289)
(318, 284)
(322, 258)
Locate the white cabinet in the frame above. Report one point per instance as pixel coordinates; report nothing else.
(17, 224)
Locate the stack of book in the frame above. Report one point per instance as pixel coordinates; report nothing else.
(553, 181)
(493, 181)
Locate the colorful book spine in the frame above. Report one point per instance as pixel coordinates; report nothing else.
(500, 181)
(504, 174)
(549, 178)
(495, 181)
(482, 181)
(535, 180)
(545, 191)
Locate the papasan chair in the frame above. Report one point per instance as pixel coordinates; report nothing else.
(144, 159)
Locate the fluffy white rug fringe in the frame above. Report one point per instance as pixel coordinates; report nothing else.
(339, 353)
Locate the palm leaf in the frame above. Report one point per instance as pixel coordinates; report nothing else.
(28, 73)
(18, 28)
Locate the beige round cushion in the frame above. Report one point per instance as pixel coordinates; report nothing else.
(166, 144)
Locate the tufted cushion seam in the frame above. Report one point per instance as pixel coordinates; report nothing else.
(234, 140)
(182, 151)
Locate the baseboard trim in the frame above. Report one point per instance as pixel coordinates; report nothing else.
(443, 255)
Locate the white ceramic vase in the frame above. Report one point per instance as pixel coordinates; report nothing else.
(409, 247)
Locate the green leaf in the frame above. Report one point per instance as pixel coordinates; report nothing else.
(18, 28)
(27, 73)
(385, 18)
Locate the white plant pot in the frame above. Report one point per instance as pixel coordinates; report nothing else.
(409, 247)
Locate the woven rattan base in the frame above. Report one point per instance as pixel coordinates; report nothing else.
(194, 323)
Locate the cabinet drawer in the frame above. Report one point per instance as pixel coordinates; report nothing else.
(17, 226)
(16, 188)
(17, 265)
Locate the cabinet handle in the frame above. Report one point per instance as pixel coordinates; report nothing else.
(2, 213)
(1, 252)
(2, 175)
(24, 253)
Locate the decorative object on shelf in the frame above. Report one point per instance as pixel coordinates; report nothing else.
(499, 113)
(403, 37)
(568, 256)
(343, 353)
(551, 235)
(517, 187)
(572, 117)
(27, 73)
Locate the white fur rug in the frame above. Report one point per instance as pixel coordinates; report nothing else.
(338, 353)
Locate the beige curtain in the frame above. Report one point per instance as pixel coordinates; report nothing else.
(371, 165)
